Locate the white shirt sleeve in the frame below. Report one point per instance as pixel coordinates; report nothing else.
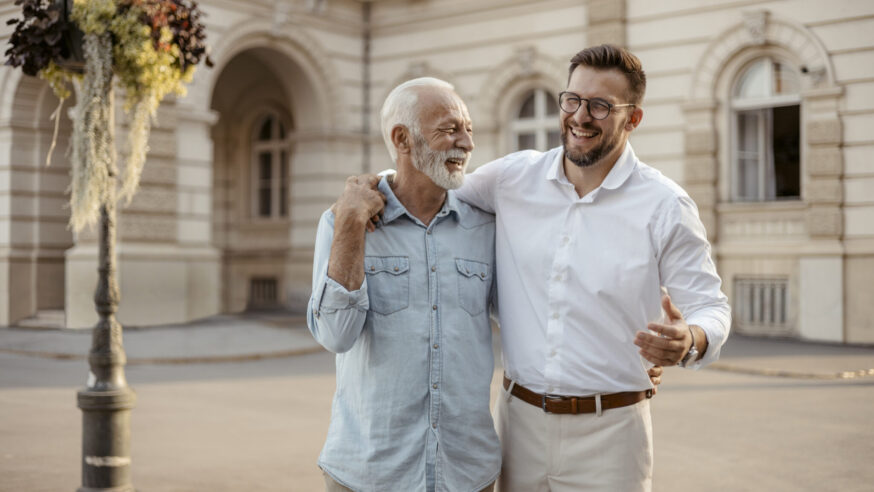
(479, 186)
(687, 270)
(335, 315)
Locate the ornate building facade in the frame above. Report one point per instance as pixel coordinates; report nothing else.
(762, 110)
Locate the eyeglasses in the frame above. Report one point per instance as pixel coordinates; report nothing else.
(597, 108)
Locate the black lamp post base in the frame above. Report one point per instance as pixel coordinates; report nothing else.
(106, 460)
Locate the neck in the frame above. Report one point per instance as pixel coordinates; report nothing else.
(417, 193)
(585, 179)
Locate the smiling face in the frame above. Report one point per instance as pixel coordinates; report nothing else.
(442, 148)
(588, 141)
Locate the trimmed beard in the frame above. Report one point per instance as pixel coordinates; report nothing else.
(432, 163)
(591, 157)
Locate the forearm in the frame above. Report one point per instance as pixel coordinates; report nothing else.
(346, 263)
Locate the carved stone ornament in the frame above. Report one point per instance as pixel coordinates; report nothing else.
(526, 56)
(757, 24)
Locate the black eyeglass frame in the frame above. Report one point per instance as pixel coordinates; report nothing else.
(588, 107)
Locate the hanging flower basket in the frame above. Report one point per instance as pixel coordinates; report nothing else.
(151, 47)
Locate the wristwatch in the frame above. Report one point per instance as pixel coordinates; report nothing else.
(692, 355)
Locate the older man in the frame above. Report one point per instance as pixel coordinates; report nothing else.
(406, 310)
(586, 236)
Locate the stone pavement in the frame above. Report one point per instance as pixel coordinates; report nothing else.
(223, 338)
(253, 336)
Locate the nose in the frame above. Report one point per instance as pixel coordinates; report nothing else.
(582, 113)
(465, 140)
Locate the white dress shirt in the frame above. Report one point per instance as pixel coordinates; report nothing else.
(579, 277)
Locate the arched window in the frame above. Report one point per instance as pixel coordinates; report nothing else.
(766, 151)
(534, 126)
(270, 168)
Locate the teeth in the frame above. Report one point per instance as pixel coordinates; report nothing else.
(578, 133)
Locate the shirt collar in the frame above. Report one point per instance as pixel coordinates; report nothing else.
(394, 208)
(623, 168)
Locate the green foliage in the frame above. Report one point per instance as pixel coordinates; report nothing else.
(151, 46)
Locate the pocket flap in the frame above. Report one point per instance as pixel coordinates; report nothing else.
(471, 268)
(394, 265)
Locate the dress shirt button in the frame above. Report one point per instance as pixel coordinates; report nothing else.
(436, 345)
(558, 278)
(434, 425)
(565, 240)
(434, 307)
(483, 275)
(434, 385)
(429, 232)
(553, 353)
(433, 269)
(396, 268)
(316, 313)
(554, 315)
(372, 268)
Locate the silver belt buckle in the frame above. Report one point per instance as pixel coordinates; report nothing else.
(545, 397)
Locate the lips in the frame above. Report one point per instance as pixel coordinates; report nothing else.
(583, 133)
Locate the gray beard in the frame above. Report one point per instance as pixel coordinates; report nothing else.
(432, 164)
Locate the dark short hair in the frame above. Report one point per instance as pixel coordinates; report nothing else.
(608, 57)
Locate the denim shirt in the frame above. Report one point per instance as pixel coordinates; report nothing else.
(414, 353)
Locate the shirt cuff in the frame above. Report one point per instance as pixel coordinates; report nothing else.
(336, 297)
(716, 337)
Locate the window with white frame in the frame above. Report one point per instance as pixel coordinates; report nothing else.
(762, 305)
(270, 168)
(766, 121)
(534, 124)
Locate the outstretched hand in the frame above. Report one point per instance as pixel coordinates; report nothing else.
(666, 343)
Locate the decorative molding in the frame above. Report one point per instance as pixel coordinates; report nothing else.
(756, 24)
(746, 34)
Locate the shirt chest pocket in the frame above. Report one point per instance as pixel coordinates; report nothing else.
(388, 283)
(474, 280)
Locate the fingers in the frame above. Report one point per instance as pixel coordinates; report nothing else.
(672, 311)
(660, 350)
(669, 331)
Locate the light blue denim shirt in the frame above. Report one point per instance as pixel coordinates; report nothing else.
(414, 353)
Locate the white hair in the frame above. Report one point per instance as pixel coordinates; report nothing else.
(400, 108)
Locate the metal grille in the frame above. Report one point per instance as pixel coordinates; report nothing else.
(263, 292)
(762, 305)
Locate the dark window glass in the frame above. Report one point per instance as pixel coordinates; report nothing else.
(787, 158)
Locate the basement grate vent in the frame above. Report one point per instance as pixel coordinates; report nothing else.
(263, 292)
(762, 305)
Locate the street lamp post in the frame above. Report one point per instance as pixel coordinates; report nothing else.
(107, 400)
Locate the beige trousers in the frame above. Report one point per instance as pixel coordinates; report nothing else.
(611, 452)
(331, 485)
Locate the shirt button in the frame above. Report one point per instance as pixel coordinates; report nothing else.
(558, 278)
(372, 268)
(434, 385)
(434, 425)
(554, 352)
(396, 268)
(554, 315)
(565, 240)
(429, 232)
(436, 345)
(433, 269)
(434, 307)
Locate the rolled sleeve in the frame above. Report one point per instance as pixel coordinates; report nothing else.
(335, 315)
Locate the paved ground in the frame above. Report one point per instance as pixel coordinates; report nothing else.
(242, 404)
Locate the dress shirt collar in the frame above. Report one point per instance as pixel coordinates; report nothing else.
(614, 179)
(394, 208)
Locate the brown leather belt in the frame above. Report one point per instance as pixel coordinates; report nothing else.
(574, 404)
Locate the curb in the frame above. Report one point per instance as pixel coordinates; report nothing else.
(206, 359)
(779, 373)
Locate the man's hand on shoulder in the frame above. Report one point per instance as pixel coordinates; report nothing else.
(666, 343)
(360, 201)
